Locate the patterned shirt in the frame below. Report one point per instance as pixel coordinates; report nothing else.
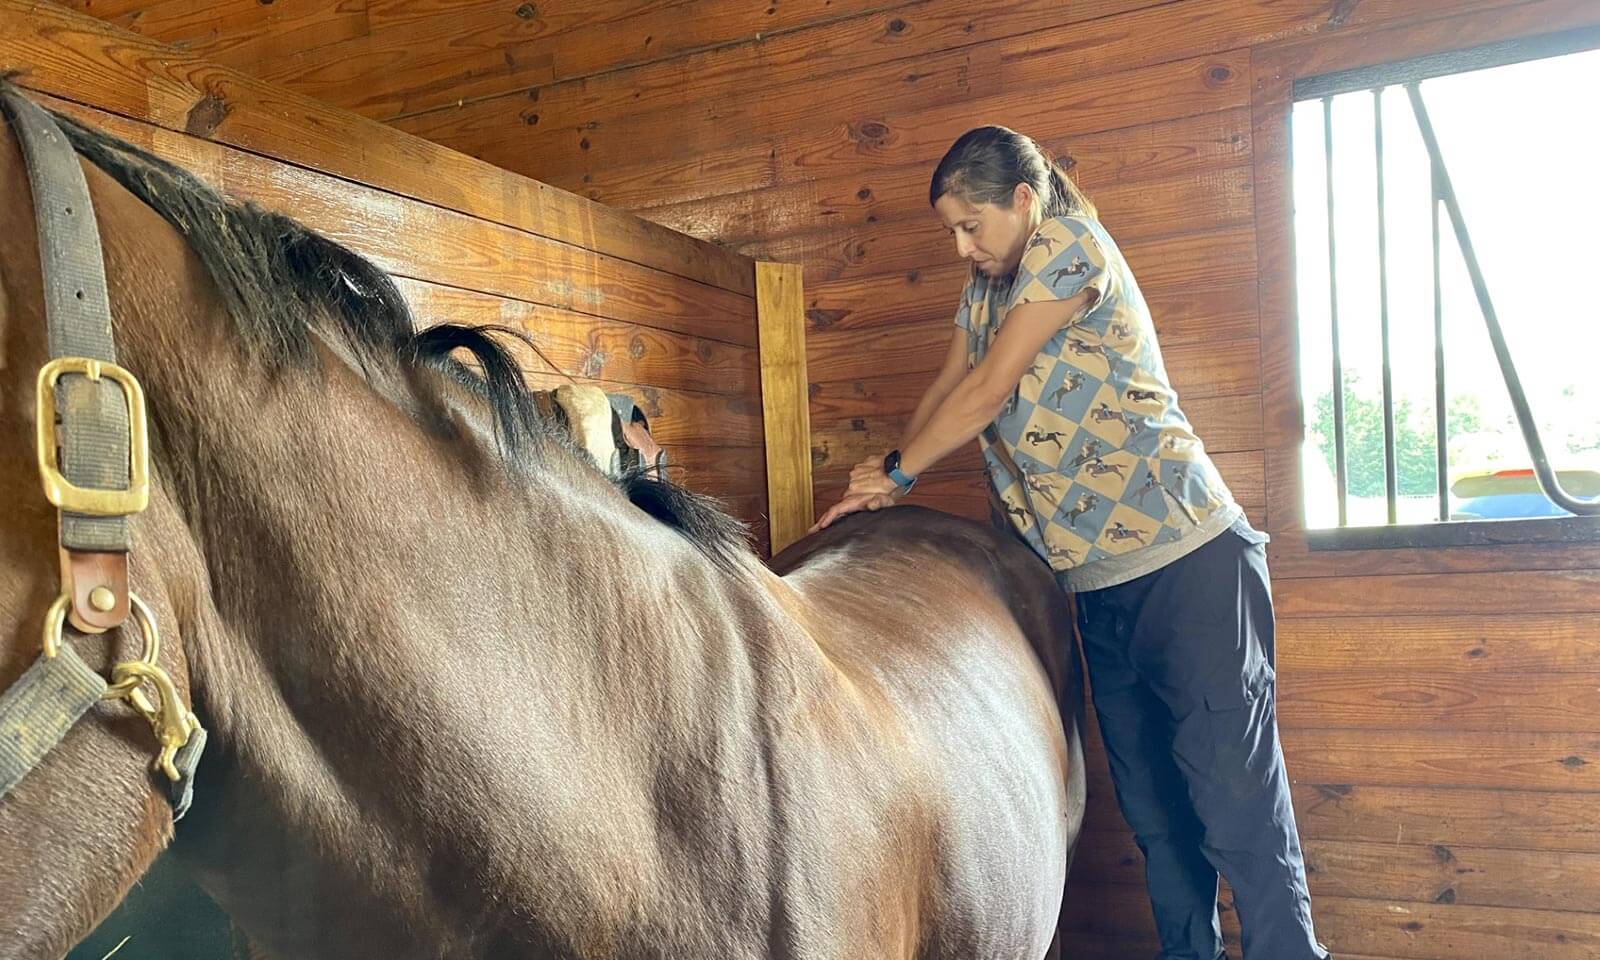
(1118, 483)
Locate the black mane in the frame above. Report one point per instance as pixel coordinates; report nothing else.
(281, 282)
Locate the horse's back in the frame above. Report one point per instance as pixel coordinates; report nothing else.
(953, 644)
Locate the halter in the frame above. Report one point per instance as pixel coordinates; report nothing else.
(94, 464)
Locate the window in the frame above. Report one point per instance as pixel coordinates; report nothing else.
(1421, 428)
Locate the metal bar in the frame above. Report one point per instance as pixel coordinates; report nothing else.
(1441, 428)
(1340, 477)
(1418, 69)
(1548, 482)
(1391, 481)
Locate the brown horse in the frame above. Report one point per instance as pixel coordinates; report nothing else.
(469, 697)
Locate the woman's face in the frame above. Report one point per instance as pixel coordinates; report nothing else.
(990, 236)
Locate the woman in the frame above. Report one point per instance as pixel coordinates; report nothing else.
(1054, 367)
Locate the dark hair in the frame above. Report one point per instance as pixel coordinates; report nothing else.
(986, 163)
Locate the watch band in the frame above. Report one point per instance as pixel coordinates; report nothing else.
(891, 468)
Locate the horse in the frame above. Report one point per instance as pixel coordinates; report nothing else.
(467, 695)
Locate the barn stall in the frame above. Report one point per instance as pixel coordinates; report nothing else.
(606, 176)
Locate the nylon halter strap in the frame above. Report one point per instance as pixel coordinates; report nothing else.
(95, 468)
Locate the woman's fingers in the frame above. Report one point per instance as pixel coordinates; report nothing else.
(852, 503)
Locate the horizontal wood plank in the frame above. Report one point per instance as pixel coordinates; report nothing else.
(1507, 645)
(1402, 872)
(1380, 928)
(1540, 592)
(829, 146)
(1372, 695)
(1188, 148)
(593, 347)
(86, 61)
(437, 54)
(1445, 758)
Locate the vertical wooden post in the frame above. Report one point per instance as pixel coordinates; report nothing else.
(785, 400)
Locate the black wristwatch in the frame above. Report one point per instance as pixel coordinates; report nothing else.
(891, 467)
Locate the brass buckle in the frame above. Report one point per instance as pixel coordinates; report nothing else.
(57, 489)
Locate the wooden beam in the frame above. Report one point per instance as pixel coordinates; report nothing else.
(785, 409)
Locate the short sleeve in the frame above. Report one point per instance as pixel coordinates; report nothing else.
(964, 311)
(1062, 259)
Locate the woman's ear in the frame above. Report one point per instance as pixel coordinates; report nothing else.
(1022, 198)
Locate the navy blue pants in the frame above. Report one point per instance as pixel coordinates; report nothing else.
(1181, 661)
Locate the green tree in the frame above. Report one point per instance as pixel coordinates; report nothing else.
(1416, 465)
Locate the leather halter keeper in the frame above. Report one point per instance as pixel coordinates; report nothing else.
(94, 465)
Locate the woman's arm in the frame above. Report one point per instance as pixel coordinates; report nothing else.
(954, 369)
(977, 399)
(972, 404)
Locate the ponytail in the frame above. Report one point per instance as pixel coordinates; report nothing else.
(1066, 200)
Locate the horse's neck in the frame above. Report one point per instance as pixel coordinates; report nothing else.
(496, 699)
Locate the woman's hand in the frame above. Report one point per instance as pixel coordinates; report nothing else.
(870, 489)
(867, 477)
(852, 503)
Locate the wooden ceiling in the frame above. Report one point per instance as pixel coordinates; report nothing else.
(396, 58)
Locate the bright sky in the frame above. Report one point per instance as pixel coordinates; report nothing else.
(1521, 145)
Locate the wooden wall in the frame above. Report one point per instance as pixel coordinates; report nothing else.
(1440, 709)
(609, 298)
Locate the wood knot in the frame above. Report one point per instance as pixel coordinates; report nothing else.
(870, 130)
(897, 25)
(1342, 11)
(1219, 74)
(821, 318)
(865, 193)
(206, 116)
(527, 11)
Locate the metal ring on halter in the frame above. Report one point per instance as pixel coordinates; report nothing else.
(55, 621)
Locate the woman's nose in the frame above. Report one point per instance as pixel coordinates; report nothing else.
(964, 246)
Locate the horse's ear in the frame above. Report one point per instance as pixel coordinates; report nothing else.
(589, 416)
